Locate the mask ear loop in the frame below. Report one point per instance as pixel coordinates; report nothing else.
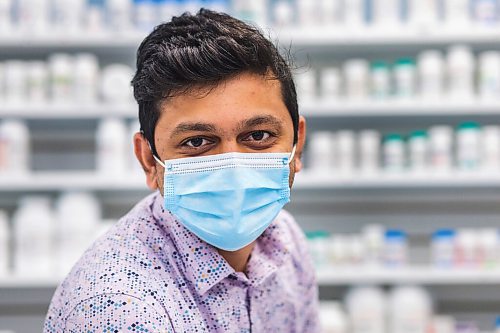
(292, 154)
(156, 158)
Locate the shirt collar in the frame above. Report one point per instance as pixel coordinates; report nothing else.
(201, 262)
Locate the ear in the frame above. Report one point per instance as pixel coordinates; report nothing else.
(301, 139)
(145, 157)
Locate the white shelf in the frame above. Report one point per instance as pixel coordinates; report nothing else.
(131, 181)
(322, 180)
(412, 275)
(331, 36)
(317, 108)
(411, 108)
(60, 181)
(67, 111)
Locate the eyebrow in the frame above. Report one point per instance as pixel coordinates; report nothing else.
(261, 120)
(192, 127)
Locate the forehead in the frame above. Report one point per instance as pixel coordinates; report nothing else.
(237, 99)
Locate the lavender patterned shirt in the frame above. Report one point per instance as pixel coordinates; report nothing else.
(150, 274)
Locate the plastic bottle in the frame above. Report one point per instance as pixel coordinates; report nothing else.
(144, 14)
(112, 149)
(380, 80)
(367, 308)
(369, 151)
(489, 75)
(330, 83)
(6, 22)
(333, 319)
(37, 82)
(308, 12)
(33, 235)
(62, 77)
(321, 155)
(318, 244)
(346, 151)
(354, 13)
(251, 11)
(488, 248)
(119, 15)
(332, 12)
(424, 14)
(461, 64)
(396, 248)
(166, 9)
(431, 74)
(306, 85)
(441, 148)
(394, 153)
(458, 13)
(443, 248)
(78, 216)
(373, 237)
(15, 81)
(466, 249)
(33, 16)
(387, 13)
(411, 309)
(405, 78)
(490, 148)
(497, 325)
(418, 147)
(485, 12)
(86, 78)
(14, 148)
(468, 146)
(115, 84)
(4, 244)
(282, 12)
(68, 15)
(356, 76)
(443, 324)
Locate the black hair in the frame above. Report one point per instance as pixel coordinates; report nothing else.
(202, 51)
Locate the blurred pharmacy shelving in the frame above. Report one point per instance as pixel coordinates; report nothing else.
(327, 200)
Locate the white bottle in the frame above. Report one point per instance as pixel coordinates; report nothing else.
(14, 148)
(458, 13)
(330, 83)
(373, 237)
(37, 82)
(112, 149)
(68, 15)
(490, 148)
(467, 248)
(62, 77)
(86, 78)
(354, 13)
(380, 81)
(488, 248)
(443, 248)
(321, 153)
(308, 12)
(78, 216)
(489, 75)
(95, 16)
(431, 75)
(33, 16)
(6, 19)
(405, 79)
(395, 248)
(441, 148)
(4, 244)
(443, 324)
(166, 9)
(115, 84)
(283, 13)
(367, 308)
(485, 12)
(346, 151)
(332, 12)
(306, 85)
(468, 146)
(411, 309)
(332, 317)
(461, 64)
(356, 74)
(424, 14)
(15, 81)
(251, 11)
(119, 15)
(394, 153)
(33, 235)
(418, 151)
(144, 14)
(387, 13)
(369, 151)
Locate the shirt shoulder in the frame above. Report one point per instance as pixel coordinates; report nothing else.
(126, 263)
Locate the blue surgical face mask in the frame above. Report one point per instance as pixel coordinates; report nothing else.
(227, 200)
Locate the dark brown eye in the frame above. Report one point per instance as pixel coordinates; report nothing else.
(196, 142)
(259, 135)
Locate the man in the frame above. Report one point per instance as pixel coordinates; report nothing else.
(211, 251)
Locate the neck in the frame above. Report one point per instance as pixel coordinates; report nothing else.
(238, 259)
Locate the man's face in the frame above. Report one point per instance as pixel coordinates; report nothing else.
(244, 114)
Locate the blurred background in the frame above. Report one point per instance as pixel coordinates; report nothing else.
(400, 196)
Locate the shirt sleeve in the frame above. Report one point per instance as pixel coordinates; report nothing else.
(116, 313)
